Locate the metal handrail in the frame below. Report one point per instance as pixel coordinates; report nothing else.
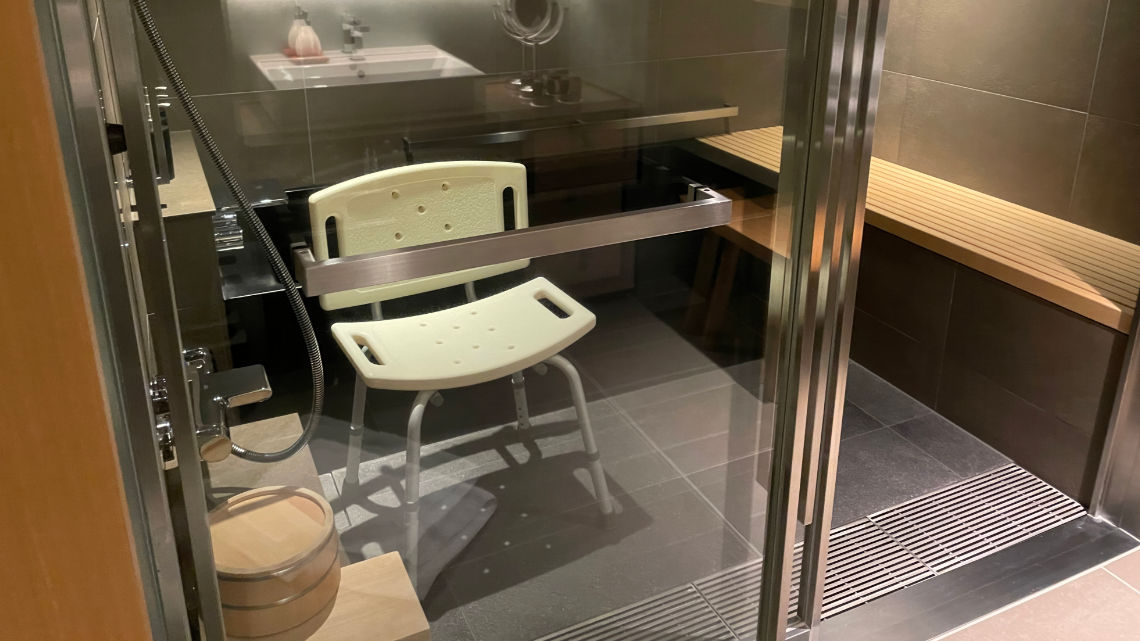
(317, 277)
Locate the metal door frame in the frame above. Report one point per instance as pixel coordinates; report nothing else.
(186, 490)
(833, 73)
(834, 70)
(69, 39)
(138, 331)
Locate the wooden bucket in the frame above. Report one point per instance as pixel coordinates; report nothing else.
(276, 551)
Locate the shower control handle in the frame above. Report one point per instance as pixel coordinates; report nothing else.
(214, 393)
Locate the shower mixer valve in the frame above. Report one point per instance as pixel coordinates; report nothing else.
(214, 393)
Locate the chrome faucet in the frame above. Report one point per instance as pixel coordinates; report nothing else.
(353, 36)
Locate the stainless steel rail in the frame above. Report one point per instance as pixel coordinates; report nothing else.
(707, 209)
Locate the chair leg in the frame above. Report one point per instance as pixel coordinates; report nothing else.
(702, 283)
(596, 472)
(522, 411)
(355, 435)
(356, 423)
(412, 486)
(721, 293)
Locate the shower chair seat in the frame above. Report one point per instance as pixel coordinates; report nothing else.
(477, 342)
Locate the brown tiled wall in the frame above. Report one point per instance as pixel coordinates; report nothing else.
(1033, 380)
(1032, 101)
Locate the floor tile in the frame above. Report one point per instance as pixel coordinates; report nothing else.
(883, 401)
(749, 374)
(728, 409)
(953, 446)
(1093, 607)
(880, 469)
(555, 581)
(672, 389)
(1127, 568)
(856, 421)
(709, 452)
(738, 491)
(635, 364)
(445, 616)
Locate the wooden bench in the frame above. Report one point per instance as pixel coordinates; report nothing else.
(1085, 271)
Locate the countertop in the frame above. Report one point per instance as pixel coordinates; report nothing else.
(188, 193)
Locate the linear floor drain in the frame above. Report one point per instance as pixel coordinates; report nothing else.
(681, 613)
(905, 544)
(867, 559)
(980, 516)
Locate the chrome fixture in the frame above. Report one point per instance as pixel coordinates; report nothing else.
(171, 353)
(227, 231)
(353, 36)
(213, 393)
(530, 36)
(157, 105)
(160, 403)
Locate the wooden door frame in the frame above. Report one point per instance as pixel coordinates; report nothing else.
(71, 570)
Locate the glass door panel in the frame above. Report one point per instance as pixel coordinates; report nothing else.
(609, 466)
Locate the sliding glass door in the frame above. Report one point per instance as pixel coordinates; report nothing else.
(545, 301)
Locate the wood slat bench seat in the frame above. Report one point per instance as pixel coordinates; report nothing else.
(1085, 271)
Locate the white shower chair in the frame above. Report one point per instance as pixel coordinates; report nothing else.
(482, 340)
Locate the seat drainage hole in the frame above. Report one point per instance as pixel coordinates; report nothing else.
(490, 329)
(399, 236)
(421, 209)
(454, 327)
(475, 313)
(439, 342)
(423, 324)
(447, 227)
(510, 346)
(445, 186)
(474, 347)
(395, 194)
(457, 362)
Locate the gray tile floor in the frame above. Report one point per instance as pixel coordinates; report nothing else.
(895, 448)
(682, 452)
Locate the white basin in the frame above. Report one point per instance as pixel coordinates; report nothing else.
(376, 65)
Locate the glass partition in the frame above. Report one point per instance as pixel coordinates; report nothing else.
(545, 252)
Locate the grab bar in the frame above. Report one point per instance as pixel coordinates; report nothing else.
(706, 209)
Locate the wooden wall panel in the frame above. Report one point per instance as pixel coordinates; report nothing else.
(68, 568)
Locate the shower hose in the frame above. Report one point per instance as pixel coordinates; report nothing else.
(251, 223)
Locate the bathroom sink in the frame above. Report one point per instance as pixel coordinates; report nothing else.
(370, 66)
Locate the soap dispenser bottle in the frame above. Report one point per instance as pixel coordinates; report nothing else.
(307, 45)
(300, 19)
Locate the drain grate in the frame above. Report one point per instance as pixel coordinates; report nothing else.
(977, 517)
(681, 613)
(867, 559)
(905, 544)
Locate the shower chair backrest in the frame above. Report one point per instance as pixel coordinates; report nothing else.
(417, 205)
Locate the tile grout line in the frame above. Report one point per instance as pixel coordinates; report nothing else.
(931, 454)
(637, 426)
(309, 135)
(1118, 578)
(1088, 107)
(716, 613)
(939, 378)
(994, 93)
